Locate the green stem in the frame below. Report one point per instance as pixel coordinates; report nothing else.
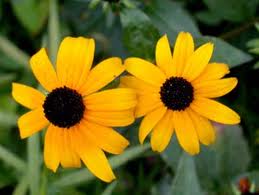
(54, 35)
(13, 52)
(34, 162)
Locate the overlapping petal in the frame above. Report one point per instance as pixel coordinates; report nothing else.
(197, 62)
(74, 60)
(105, 137)
(186, 132)
(102, 74)
(183, 49)
(215, 88)
(111, 100)
(145, 71)
(164, 57)
(93, 157)
(149, 122)
(215, 111)
(162, 133)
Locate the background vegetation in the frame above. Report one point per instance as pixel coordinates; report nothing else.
(132, 28)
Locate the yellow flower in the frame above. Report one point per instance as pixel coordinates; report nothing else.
(79, 118)
(175, 94)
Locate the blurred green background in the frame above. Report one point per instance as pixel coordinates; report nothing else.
(131, 28)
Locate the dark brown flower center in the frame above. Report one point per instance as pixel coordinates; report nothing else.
(176, 93)
(64, 107)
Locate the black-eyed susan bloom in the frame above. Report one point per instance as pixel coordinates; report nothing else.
(175, 96)
(78, 116)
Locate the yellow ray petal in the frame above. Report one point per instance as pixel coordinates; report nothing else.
(93, 157)
(183, 49)
(203, 127)
(106, 138)
(186, 133)
(68, 157)
(52, 145)
(149, 122)
(44, 71)
(140, 86)
(215, 88)
(111, 100)
(102, 74)
(147, 103)
(32, 122)
(111, 119)
(213, 71)
(27, 96)
(145, 71)
(215, 111)
(198, 61)
(162, 133)
(163, 55)
(74, 60)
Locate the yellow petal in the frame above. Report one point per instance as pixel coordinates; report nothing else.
(74, 60)
(69, 158)
(147, 103)
(198, 61)
(32, 122)
(215, 111)
(52, 147)
(102, 74)
(106, 138)
(93, 157)
(149, 122)
(213, 71)
(186, 133)
(203, 128)
(183, 49)
(163, 54)
(44, 71)
(140, 86)
(111, 119)
(27, 96)
(162, 133)
(215, 88)
(145, 71)
(111, 100)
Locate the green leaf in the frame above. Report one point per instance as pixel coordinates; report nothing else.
(139, 34)
(186, 181)
(207, 17)
(11, 159)
(22, 187)
(164, 186)
(256, 66)
(109, 189)
(13, 52)
(172, 154)
(6, 79)
(224, 52)
(232, 147)
(7, 119)
(170, 18)
(83, 175)
(31, 13)
(232, 10)
(34, 163)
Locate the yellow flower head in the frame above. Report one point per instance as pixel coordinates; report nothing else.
(78, 117)
(175, 94)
